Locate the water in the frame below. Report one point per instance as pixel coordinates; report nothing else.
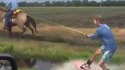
(69, 65)
(46, 65)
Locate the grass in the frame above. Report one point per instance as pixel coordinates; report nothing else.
(57, 50)
(53, 51)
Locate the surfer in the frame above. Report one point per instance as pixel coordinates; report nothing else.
(108, 48)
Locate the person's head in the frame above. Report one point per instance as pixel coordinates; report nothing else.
(97, 20)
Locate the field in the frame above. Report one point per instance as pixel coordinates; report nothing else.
(60, 33)
(76, 16)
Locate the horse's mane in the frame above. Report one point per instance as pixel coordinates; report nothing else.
(2, 9)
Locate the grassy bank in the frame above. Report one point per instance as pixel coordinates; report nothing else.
(53, 51)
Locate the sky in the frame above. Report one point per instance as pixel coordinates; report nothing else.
(49, 0)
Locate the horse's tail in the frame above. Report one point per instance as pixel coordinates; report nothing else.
(32, 22)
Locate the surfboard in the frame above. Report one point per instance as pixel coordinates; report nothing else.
(78, 63)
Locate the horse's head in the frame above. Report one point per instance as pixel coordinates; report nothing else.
(2, 13)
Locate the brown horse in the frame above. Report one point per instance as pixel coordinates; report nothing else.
(22, 20)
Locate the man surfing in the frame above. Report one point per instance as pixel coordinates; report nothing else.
(109, 46)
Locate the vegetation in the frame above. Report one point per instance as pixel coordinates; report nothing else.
(53, 51)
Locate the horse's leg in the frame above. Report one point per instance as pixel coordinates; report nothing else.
(31, 21)
(10, 32)
(31, 29)
(23, 30)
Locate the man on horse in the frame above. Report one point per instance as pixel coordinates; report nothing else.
(11, 6)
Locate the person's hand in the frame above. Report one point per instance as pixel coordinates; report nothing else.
(89, 36)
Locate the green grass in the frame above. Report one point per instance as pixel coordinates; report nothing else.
(47, 51)
(52, 51)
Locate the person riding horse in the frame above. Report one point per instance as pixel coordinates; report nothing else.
(20, 19)
(11, 6)
(16, 17)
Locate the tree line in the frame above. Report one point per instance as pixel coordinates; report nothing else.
(73, 3)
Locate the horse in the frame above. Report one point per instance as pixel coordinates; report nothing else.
(20, 19)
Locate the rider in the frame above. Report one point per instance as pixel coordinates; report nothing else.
(109, 47)
(11, 6)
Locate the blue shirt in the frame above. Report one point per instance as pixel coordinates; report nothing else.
(11, 4)
(105, 34)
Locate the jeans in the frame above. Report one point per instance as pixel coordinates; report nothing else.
(8, 19)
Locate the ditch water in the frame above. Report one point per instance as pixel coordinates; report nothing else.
(46, 65)
(70, 65)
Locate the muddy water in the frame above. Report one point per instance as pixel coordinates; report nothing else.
(46, 65)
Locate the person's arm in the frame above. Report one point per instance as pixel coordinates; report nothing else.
(95, 35)
(14, 5)
(8, 4)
